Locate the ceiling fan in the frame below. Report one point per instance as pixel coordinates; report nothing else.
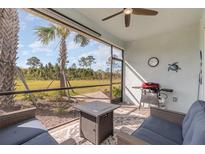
(135, 11)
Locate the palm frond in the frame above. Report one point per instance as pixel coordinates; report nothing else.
(62, 31)
(81, 40)
(46, 34)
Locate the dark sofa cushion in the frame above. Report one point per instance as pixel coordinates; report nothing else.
(195, 108)
(152, 137)
(194, 124)
(42, 139)
(21, 132)
(164, 128)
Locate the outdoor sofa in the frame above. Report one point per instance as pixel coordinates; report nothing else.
(164, 127)
(21, 127)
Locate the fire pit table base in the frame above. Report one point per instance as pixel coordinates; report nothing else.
(96, 121)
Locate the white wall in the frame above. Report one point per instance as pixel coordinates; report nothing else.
(181, 46)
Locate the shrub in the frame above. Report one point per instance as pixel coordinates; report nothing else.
(116, 91)
(27, 97)
(41, 95)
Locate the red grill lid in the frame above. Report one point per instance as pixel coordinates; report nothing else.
(150, 85)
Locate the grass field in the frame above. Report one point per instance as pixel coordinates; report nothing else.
(43, 84)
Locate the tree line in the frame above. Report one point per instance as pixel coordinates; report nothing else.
(38, 71)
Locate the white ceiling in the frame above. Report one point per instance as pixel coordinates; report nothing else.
(142, 26)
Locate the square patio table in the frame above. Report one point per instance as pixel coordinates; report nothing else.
(96, 120)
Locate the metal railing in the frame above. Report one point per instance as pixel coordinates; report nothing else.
(53, 89)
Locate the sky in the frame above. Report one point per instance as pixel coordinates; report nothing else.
(30, 46)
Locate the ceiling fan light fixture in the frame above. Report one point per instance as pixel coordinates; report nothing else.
(128, 11)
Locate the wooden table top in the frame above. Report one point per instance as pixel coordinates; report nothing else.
(97, 108)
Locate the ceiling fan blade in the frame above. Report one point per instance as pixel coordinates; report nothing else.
(112, 16)
(127, 20)
(140, 11)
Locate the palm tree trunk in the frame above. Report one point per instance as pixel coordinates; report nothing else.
(9, 28)
(62, 61)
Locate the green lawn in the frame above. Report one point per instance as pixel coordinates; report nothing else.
(43, 84)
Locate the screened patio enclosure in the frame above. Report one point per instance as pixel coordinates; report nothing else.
(92, 72)
(66, 58)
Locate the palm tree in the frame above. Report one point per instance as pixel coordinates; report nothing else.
(9, 24)
(48, 34)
